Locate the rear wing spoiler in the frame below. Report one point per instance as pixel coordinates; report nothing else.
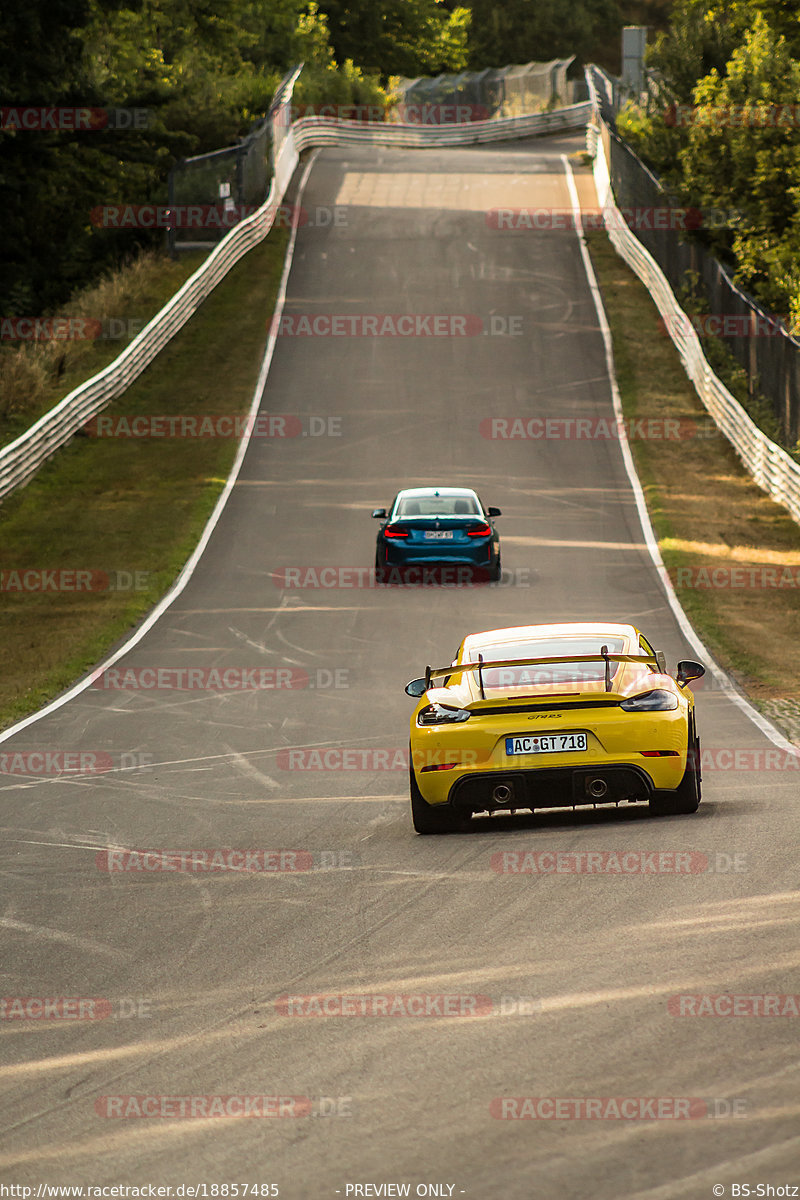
(657, 661)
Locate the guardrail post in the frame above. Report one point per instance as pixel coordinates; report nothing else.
(173, 253)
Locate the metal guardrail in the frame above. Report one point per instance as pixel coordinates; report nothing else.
(761, 343)
(325, 131)
(775, 472)
(24, 456)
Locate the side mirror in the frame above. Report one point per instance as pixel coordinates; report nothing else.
(688, 670)
(380, 512)
(416, 688)
(493, 512)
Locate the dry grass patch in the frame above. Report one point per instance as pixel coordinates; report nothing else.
(36, 375)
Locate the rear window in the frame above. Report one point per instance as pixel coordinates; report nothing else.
(437, 506)
(548, 673)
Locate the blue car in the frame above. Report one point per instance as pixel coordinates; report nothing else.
(437, 527)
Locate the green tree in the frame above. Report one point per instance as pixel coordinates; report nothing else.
(41, 64)
(203, 70)
(399, 37)
(701, 38)
(743, 154)
(520, 31)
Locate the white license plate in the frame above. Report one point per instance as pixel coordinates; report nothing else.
(548, 743)
(438, 534)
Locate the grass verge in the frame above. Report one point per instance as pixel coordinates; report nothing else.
(36, 375)
(128, 510)
(733, 554)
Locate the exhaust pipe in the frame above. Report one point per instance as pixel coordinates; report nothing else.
(598, 788)
(502, 794)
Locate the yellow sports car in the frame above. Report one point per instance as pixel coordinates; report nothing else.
(543, 716)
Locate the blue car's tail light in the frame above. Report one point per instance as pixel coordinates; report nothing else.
(437, 714)
(395, 531)
(659, 700)
(480, 531)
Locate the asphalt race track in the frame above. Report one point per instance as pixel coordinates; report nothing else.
(554, 985)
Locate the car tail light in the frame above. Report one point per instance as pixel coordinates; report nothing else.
(395, 531)
(479, 531)
(659, 753)
(659, 700)
(439, 714)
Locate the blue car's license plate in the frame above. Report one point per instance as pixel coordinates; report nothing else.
(439, 535)
(548, 743)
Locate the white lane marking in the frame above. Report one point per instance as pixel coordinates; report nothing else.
(251, 772)
(95, 846)
(299, 649)
(286, 606)
(726, 686)
(189, 569)
(209, 759)
(261, 648)
(58, 935)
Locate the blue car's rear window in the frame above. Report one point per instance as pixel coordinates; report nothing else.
(437, 506)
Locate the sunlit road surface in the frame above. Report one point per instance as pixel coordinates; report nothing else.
(485, 995)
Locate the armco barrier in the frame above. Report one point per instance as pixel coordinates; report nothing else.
(771, 467)
(775, 472)
(23, 457)
(323, 131)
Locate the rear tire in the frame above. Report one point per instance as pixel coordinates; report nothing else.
(688, 794)
(431, 818)
(496, 572)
